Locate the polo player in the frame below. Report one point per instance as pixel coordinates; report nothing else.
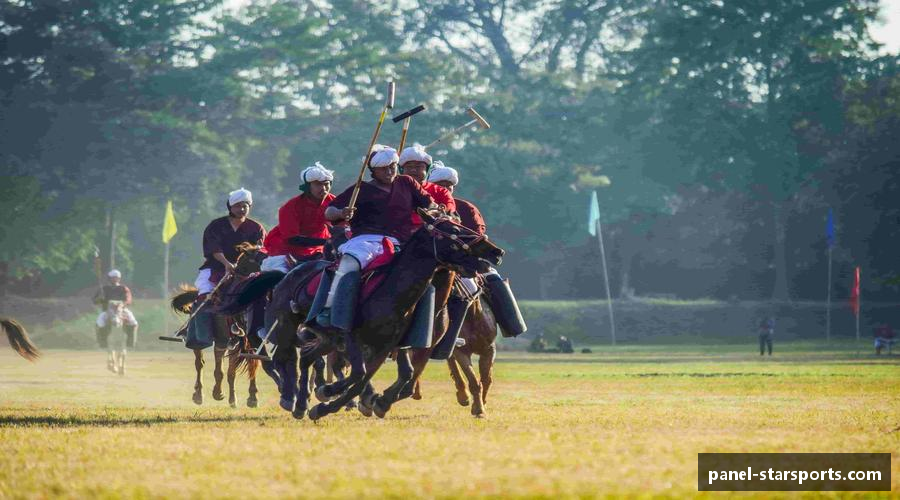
(115, 290)
(500, 298)
(302, 216)
(384, 209)
(221, 238)
(417, 163)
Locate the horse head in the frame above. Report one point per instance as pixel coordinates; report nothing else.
(114, 312)
(458, 247)
(250, 259)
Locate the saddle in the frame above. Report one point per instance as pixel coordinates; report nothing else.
(370, 277)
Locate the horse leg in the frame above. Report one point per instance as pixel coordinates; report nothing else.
(303, 393)
(198, 384)
(391, 395)
(420, 358)
(252, 369)
(320, 367)
(218, 374)
(361, 373)
(232, 372)
(462, 397)
(486, 370)
(465, 363)
(121, 362)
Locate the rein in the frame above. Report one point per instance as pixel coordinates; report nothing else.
(466, 241)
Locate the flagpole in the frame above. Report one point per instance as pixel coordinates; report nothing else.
(165, 289)
(612, 319)
(828, 301)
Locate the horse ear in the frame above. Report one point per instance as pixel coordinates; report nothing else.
(426, 217)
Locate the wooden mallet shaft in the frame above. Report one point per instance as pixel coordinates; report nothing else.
(389, 104)
(476, 118)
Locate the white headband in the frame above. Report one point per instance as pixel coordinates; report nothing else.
(317, 172)
(384, 158)
(442, 173)
(114, 274)
(416, 152)
(240, 195)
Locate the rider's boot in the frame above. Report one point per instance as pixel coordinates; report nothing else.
(504, 306)
(336, 318)
(457, 308)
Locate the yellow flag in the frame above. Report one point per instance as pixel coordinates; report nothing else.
(169, 227)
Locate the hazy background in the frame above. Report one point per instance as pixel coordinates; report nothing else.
(727, 130)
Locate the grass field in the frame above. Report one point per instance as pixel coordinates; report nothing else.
(619, 421)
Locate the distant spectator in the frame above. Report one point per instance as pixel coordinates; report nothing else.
(766, 332)
(884, 337)
(565, 345)
(538, 344)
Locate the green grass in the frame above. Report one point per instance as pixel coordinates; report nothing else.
(620, 421)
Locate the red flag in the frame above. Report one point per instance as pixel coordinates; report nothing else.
(854, 294)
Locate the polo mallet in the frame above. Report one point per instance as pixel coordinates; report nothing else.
(388, 104)
(406, 116)
(257, 354)
(476, 118)
(175, 338)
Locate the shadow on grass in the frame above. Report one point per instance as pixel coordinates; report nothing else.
(629, 359)
(113, 421)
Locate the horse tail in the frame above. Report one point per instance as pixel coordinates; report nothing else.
(241, 363)
(18, 339)
(184, 300)
(251, 290)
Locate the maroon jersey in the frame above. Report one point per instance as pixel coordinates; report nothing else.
(382, 212)
(470, 216)
(220, 237)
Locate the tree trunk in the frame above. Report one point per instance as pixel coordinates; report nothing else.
(780, 291)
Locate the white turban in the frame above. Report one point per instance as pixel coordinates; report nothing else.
(317, 172)
(442, 173)
(375, 148)
(240, 195)
(114, 274)
(416, 152)
(384, 158)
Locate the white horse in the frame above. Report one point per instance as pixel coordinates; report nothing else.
(117, 317)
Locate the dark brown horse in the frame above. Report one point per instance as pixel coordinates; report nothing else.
(18, 339)
(248, 262)
(384, 318)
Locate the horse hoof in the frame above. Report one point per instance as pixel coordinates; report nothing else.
(350, 406)
(365, 410)
(317, 412)
(379, 410)
(218, 395)
(416, 396)
(478, 415)
(198, 398)
(463, 401)
(232, 404)
(299, 413)
(252, 403)
(477, 412)
(320, 394)
(286, 404)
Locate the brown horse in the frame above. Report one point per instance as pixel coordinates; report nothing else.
(479, 330)
(18, 339)
(248, 262)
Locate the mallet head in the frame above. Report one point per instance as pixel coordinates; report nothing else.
(389, 102)
(407, 114)
(474, 114)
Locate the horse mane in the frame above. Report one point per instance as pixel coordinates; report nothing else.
(183, 301)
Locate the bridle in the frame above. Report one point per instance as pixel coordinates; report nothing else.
(466, 241)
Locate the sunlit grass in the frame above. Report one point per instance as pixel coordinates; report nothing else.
(618, 421)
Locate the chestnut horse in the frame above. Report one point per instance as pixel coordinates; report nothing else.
(248, 262)
(18, 339)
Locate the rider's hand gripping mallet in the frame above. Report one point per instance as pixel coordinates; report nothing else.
(388, 104)
(257, 354)
(406, 116)
(476, 118)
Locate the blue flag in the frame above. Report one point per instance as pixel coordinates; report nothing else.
(594, 214)
(829, 229)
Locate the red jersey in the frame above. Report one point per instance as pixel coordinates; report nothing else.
(300, 216)
(470, 216)
(385, 212)
(440, 195)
